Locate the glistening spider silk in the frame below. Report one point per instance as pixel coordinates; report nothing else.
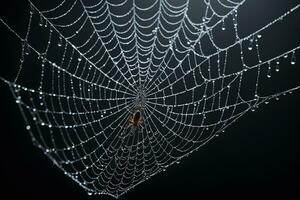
(121, 91)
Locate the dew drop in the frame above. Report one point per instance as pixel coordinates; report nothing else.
(223, 25)
(27, 49)
(269, 73)
(277, 66)
(59, 44)
(41, 21)
(250, 47)
(293, 59)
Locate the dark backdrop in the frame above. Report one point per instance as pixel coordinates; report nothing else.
(257, 157)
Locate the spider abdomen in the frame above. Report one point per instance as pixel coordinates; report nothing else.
(136, 118)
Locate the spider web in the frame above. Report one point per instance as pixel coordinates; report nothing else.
(95, 62)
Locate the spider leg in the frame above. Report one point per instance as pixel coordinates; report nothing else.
(142, 127)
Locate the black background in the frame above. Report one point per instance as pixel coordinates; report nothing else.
(256, 157)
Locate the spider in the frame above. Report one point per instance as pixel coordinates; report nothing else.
(136, 120)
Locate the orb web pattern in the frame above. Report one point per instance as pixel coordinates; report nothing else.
(96, 62)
